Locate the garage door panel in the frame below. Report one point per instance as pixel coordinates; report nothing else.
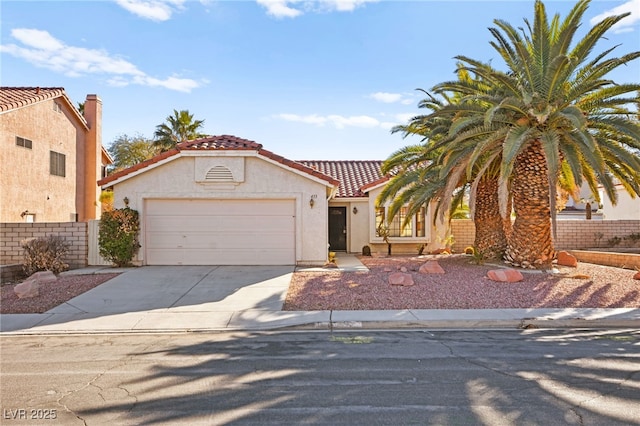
(219, 207)
(178, 233)
(219, 223)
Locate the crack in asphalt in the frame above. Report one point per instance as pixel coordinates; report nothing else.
(92, 383)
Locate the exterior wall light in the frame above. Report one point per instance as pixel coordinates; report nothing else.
(126, 201)
(311, 202)
(355, 210)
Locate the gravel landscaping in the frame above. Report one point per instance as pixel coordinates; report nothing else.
(463, 286)
(50, 294)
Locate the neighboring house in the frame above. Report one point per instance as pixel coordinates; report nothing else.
(226, 200)
(626, 208)
(51, 156)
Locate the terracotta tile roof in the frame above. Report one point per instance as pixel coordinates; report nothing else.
(219, 143)
(17, 97)
(353, 175)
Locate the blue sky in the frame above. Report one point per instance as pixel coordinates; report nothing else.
(310, 80)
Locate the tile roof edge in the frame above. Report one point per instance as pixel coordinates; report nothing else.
(51, 93)
(136, 167)
(298, 166)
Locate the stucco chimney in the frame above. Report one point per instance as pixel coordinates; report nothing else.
(93, 156)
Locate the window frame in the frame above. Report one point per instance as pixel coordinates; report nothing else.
(24, 142)
(57, 164)
(380, 215)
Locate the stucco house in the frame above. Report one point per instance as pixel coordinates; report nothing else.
(227, 200)
(51, 156)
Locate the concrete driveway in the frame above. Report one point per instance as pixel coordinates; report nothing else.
(161, 298)
(187, 289)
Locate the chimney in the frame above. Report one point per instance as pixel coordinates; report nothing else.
(92, 157)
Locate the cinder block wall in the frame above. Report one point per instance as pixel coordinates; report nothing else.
(75, 233)
(572, 234)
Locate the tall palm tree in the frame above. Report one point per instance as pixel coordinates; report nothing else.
(179, 127)
(558, 115)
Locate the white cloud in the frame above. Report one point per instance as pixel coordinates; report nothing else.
(294, 8)
(340, 121)
(625, 25)
(279, 8)
(45, 51)
(390, 98)
(343, 5)
(155, 10)
(386, 97)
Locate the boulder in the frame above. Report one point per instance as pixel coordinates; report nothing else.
(567, 259)
(431, 267)
(401, 278)
(505, 275)
(27, 289)
(403, 269)
(43, 277)
(637, 276)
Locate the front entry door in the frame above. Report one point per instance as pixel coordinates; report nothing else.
(337, 228)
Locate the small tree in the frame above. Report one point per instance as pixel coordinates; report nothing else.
(118, 235)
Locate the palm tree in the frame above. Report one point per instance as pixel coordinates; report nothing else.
(557, 116)
(420, 176)
(179, 127)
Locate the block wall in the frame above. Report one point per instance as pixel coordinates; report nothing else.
(571, 234)
(75, 233)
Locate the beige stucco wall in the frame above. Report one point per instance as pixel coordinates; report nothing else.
(25, 180)
(627, 208)
(259, 178)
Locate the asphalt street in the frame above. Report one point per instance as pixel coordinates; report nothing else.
(466, 377)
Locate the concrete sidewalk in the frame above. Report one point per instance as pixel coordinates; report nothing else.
(250, 298)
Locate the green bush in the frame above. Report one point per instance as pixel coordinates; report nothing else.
(118, 236)
(45, 254)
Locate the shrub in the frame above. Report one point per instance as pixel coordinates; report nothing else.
(45, 254)
(118, 236)
(633, 238)
(614, 241)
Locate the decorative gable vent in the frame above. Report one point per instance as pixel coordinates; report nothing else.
(219, 174)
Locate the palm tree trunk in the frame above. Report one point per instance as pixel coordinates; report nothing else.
(530, 244)
(491, 240)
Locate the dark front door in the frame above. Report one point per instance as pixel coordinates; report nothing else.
(337, 228)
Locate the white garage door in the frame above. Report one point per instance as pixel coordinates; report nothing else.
(220, 232)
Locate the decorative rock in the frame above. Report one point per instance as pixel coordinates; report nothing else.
(330, 265)
(637, 276)
(27, 289)
(387, 269)
(431, 267)
(43, 277)
(567, 259)
(505, 275)
(403, 269)
(400, 278)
